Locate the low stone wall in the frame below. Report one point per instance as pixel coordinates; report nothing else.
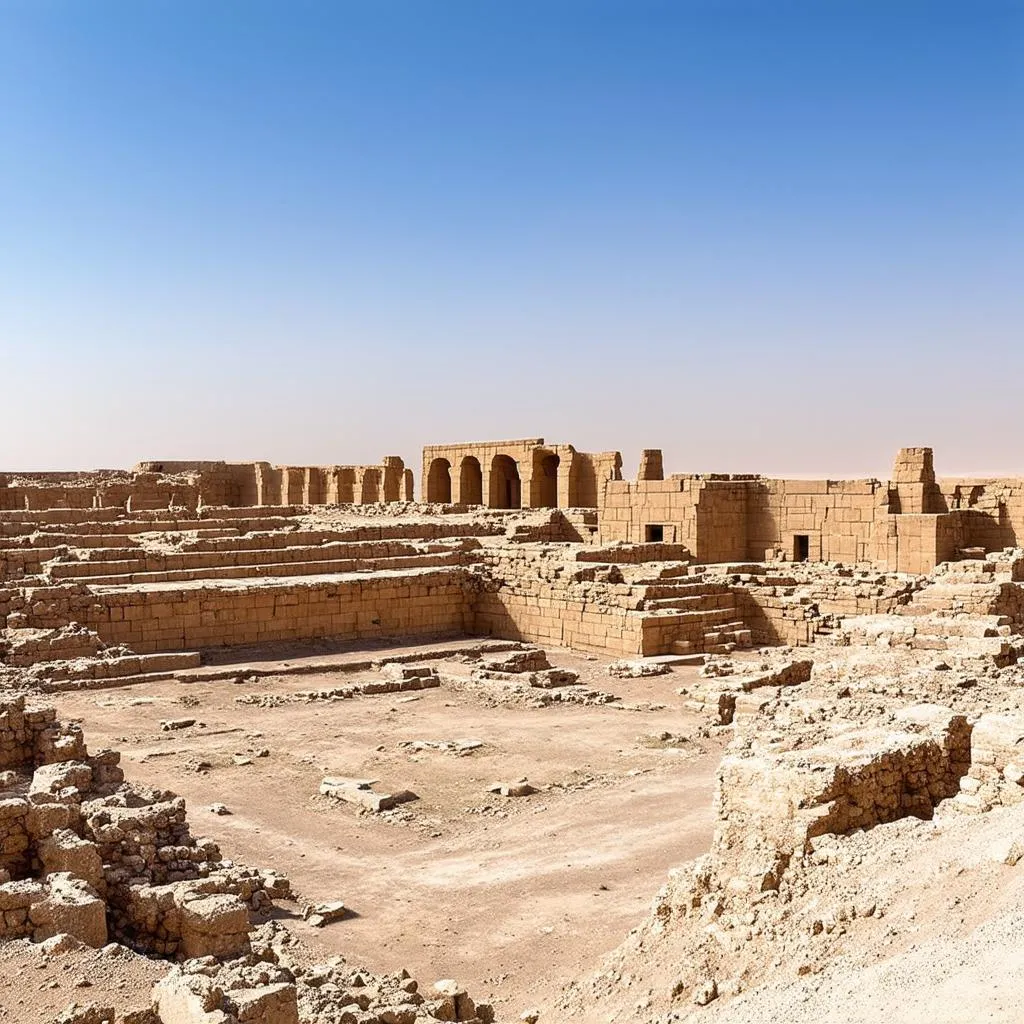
(81, 852)
(359, 607)
(996, 775)
(635, 554)
(30, 735)
(770, 805)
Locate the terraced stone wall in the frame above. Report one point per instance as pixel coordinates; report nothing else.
(417, 603)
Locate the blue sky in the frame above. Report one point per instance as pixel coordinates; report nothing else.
(771, 236)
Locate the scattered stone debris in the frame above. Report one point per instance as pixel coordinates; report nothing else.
(637, 669)
(320, 914)
(360, 793)
(520, 788)
(461, 748)
(171, 724)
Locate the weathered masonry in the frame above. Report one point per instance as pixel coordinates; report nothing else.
(517, 474)
(160, 484)
(910, 523)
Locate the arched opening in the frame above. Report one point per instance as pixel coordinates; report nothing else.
(439, 481)
(545, 482)
(369, 493)
(582, 483)
(471, 481)
(506, 490)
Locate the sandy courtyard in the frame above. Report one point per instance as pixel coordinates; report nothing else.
(513, 896)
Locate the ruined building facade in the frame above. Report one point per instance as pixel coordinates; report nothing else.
(909, 523)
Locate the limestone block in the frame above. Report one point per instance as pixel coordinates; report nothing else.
(216, 925)
(70, 907)
(64, 851)
(60, 782)
(87, 1013)
(269, 1004)
(188, 999)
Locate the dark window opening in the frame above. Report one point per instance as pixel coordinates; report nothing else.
(654, 534)
(801, 547)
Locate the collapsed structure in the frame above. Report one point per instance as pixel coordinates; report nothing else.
(905, 597)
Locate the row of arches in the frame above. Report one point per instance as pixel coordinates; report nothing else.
(504, 482)
(471, 481)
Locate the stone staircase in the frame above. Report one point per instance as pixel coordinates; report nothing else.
(165, 568)
(702, 613)
(149, 549)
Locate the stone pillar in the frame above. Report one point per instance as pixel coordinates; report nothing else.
(651, 465)
(565, 468)
(392, 478)
(526, 488)
(456, 474)
(914, 478)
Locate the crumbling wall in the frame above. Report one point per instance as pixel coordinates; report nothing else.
(83, 853)
(103, 489)
(770, 804)
(162, 484)
(996, 773)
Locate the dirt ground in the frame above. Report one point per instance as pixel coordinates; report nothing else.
(512, 896)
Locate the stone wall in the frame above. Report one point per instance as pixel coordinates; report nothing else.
(535, 596)
(996, 775)
(104, 489)
(161, 484)
(769, 805)
(397, 604)
(909, 524)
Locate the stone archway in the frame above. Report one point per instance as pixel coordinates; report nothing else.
(439, 481)
(505, 486)
(545, 480)
(471, 481)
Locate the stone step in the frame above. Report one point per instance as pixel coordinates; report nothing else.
(106, 670)
(698, 602)
(153, 562)
(709, 617)
(280, 569)
(662, 590)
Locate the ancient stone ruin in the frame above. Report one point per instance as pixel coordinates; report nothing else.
(845, 652)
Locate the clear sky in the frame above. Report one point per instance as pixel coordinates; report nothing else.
(771, 236)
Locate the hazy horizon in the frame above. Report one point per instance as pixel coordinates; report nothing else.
(780, 238)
